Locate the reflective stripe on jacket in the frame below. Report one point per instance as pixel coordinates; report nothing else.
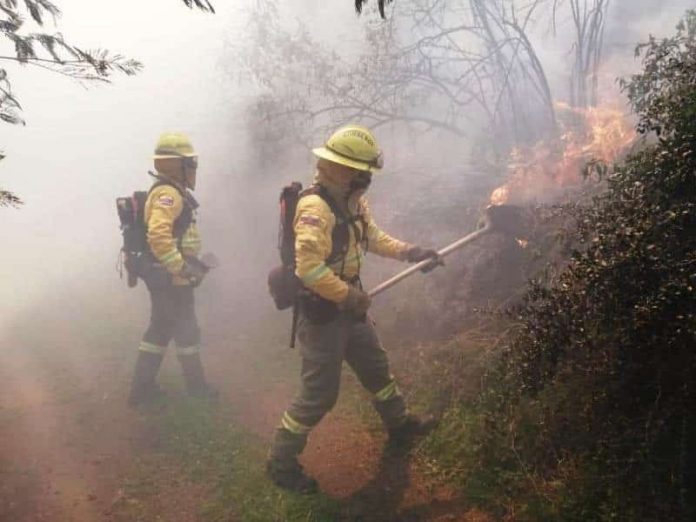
(314, 223)
(163, 207)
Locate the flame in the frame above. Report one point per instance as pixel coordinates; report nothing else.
(500, 195)
(544, 170)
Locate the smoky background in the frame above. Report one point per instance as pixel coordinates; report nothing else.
(83, 146)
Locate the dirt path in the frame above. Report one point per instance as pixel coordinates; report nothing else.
(68, 434)
(67, 439)
(68, 442)
(345, 453)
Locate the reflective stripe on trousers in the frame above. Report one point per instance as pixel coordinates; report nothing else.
(324, 348)
(293, 426)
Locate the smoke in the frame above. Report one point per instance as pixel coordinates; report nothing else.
(630, 22)
(435, 181)
(84, 145)
(63, 307)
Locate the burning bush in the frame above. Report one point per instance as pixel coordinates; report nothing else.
(543, 171)
(590, 413)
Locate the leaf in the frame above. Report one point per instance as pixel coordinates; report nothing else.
(8, 199)
(24, 49)
(34, 10)
(380, 6)
(49, 43)
(203, 5)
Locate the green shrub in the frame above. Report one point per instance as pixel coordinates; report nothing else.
(591, 408)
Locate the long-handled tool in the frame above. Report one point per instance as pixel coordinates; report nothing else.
(498, 218)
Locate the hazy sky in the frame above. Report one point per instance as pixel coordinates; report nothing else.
(83, 147)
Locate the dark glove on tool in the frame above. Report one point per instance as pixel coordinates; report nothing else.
(356, 302)
(194, 272)
(417, 254)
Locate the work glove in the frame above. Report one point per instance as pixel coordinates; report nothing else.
(356, 302)
(416, 254)
(193, 272)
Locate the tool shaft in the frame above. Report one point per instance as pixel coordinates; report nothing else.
(442, 253)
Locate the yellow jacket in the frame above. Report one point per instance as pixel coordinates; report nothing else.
(162, 208)
(314, 223)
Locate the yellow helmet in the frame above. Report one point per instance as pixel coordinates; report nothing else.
(174, 145)
(353, 146)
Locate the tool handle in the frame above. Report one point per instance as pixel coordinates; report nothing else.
(418, 266)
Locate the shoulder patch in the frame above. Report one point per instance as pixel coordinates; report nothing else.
(307, 219)
(166, 201)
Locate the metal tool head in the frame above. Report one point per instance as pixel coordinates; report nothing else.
(507, 219)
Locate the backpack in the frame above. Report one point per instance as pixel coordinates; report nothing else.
(284, 286)
(135, 251)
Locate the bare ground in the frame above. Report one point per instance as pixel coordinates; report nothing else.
(68, 444)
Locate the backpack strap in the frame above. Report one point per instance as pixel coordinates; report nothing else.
(187, 217)
(339, 236)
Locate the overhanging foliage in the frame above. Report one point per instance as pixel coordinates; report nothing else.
(595, 396)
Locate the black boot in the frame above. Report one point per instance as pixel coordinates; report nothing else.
(282, 466)
(144, 389)
(393, 411)
(195, 377)
(412, 428)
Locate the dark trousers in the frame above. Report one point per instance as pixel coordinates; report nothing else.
(324, 347)
(172, 317)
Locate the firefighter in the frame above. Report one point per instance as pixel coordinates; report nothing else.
(333, 322)
(171, 270)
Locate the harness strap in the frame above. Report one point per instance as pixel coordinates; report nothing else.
(184, 221)
(340, 251)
